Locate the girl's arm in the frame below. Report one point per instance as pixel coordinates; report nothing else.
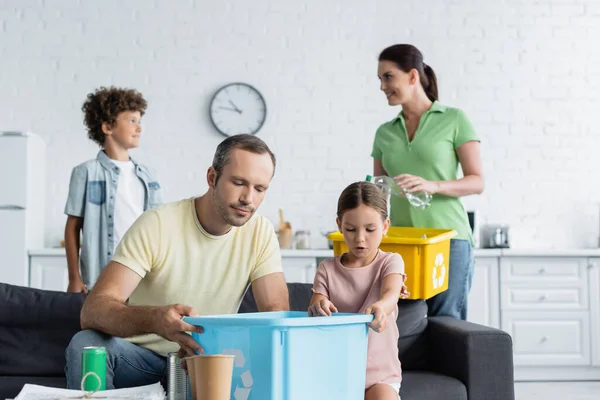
(391, 291)
(320, 305)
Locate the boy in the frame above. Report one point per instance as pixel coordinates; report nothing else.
(107, 194)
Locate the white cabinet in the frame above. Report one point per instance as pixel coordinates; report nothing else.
(594, 288)
(545, 308)
(299, 269)
(301, 265)
(484, 299)
(48, 272)
(544, 284)
(538, 270)
(550, 306)
(547, 338)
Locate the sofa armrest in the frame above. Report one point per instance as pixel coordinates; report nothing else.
(479, 356)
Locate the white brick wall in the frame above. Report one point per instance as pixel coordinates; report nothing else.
(528, 74)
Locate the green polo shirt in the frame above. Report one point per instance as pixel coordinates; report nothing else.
(431, 155)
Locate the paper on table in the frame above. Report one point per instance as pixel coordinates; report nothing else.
(36, 392)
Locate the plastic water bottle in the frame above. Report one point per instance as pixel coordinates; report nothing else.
(419, 200)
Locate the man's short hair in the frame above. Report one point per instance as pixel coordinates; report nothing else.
(246, 142)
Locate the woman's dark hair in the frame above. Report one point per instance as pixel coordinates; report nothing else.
(407, 57)
(362, 193)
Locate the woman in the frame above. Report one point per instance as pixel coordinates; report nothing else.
(421, 149)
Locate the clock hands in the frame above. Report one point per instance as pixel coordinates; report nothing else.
(231, 109)
(235, 107)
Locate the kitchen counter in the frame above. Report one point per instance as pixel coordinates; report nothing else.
(316, 253)
(48, 251)
(324, 253)
(549, 252)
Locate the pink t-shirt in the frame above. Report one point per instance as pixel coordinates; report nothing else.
(352, 290)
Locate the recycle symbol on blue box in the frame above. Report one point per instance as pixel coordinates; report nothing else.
(242, 377)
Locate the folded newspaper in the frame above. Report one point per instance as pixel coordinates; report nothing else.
(36, 392)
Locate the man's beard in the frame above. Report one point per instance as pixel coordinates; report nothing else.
(225, 210)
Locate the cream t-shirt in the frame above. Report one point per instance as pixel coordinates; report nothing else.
(179, 262)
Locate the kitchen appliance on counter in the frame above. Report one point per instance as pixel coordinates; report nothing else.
(496, 237)
(22, 194)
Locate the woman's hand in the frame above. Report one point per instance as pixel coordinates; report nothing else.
(321, 308)
(380, 317)
(413, 183)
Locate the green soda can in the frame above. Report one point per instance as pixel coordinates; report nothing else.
(93, 359)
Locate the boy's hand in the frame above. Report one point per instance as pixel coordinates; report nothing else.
(321, 308)
(380, 320)
(77, 286)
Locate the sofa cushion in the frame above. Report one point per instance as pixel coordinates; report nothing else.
(36, 326)
(36, 308)
(412, 344)
(300, 294)
(417, 385)
(36, 352)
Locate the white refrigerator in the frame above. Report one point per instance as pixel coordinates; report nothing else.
(22, 194)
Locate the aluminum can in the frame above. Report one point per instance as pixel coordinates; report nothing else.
(93, 359)
(177, 382)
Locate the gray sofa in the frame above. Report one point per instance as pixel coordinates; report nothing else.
(442, 358)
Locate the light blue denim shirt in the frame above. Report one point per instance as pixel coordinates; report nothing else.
(92, 197)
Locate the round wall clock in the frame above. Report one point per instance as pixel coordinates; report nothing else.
(238, 108)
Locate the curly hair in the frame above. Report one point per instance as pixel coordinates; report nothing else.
(105, 104)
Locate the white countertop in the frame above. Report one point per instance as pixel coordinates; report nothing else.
(317, 253)
(48, 251)
(550, 252)
(324, 253)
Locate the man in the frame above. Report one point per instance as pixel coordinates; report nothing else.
(188, 257)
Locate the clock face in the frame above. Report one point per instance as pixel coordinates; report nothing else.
(238, 108)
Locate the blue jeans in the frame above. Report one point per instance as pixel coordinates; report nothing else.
(453, 302)
(127, 364)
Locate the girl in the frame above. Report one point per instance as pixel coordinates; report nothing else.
(366, 280)
(421, 149)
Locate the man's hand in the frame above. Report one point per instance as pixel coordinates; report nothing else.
(77, 286)
(182, 354)
(321, 308)
(170, 325)
(380, 320)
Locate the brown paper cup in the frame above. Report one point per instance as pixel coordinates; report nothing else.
(210, 376)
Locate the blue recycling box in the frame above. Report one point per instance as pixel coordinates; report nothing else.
(289, 355)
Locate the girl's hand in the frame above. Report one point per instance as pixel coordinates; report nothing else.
(321, 308)
(379, 322)
(413, 183)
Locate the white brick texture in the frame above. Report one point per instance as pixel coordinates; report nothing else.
(528, 74)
